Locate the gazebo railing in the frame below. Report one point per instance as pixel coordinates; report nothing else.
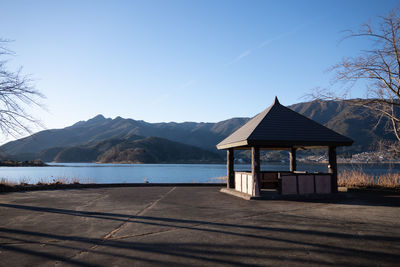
(244, 182)
(285, 182)
(305, 183)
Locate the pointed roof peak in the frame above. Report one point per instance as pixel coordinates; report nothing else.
(280, 126)
(276, 101)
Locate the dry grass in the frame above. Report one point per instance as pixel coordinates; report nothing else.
(60, 180)
(43, 182)
(6, 182)
(356, 178)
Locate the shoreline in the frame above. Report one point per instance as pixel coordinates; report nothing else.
(213, 163)
(5, 188)
(38, 163)
(100, 164)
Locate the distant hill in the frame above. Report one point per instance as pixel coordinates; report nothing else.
(356, 122)
(136, 149)
(119, 139)
(157, 150)
(203, 135)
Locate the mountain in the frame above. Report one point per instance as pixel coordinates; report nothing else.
(157, 150)
(355, 122)
(204, 135)
(87, 140)
(137, 150)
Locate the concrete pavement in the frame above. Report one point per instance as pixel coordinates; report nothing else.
(195, 226)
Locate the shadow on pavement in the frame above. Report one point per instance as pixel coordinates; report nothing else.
(283, 242)
(214, 254)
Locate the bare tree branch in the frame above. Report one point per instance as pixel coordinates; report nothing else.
(379, 67)
(16, 93)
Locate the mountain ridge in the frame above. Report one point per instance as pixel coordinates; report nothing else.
(352, 121)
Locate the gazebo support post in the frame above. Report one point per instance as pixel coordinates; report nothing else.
(332, 169)
(292, 159)
(230, 182)
(255, 170)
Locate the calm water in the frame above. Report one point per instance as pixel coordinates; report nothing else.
(156, 173)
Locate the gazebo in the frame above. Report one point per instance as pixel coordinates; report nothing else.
(280, 128)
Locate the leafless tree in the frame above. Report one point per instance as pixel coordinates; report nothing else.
(379, 67)
(17, 92)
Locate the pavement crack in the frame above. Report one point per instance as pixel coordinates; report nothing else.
(155, 202)
(92, 201)
(202, 224)
(144, 234)
(141, 212)
(122, 225)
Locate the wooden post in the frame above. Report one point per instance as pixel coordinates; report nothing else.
(255, 170)
(292, 159)
(332, 169)
(230, 179)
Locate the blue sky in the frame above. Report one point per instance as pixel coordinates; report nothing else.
(178, 60)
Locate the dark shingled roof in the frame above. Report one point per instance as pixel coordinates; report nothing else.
(281, 127)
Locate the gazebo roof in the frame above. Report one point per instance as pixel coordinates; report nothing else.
(281, 127)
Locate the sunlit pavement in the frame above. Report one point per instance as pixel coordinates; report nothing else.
(194, 226)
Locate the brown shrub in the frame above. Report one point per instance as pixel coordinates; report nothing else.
(357, 178)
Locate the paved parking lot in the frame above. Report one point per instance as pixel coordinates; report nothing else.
(195, 226)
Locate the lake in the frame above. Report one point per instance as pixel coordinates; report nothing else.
(157, 173)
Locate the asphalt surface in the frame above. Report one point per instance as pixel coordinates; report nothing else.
(195, 226)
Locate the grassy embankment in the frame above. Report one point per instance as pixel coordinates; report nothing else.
(356, 178)
(55, 181)
(359, 179)
(24, 184)
(349, 179)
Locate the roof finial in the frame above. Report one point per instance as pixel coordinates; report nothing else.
(276, 100)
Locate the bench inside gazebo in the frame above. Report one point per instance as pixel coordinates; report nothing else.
(280, 128)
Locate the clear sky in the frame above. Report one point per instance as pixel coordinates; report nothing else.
(178, 60)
